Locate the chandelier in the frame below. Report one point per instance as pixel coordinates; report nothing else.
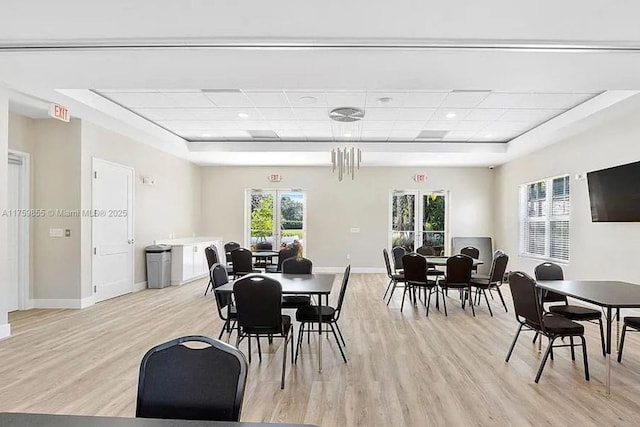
(346, 160)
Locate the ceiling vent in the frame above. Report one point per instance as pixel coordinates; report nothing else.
(346, 114)
(263, 134)
(432, 135)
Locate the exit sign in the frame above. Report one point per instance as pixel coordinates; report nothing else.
(420, 177)
(59, 112)
(275, 177)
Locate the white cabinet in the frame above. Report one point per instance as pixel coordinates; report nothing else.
(188, 260)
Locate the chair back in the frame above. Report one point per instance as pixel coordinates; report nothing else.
(470, 251)
(258, 303)
(211, 252)
(283, 254)
(415, 268)
(385, 255)
(242, 261)
(219, 277)
(498, 252)
(498, 267)
(550, 271)
(459, 269)
(179, 382)
(426, 250)
(297, 266)
(343, 290)
(231, 246)
(398, 252)
(526, 302)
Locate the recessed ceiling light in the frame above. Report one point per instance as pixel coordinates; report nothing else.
(308, 99)
(347, 134)
(450, 115)
(385, 100)
(243, 115)
(489, 135)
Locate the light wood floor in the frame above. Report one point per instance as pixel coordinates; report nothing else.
(404, 369)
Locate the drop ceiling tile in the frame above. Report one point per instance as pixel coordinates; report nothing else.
(229, 98)
(141, 99)
(471, 126)
(509, 126)
(282, 124)
(504, 100)
(440, 125)
(277, 113)
(346, 99)
(375, 135)
(488, 114)
(315, 125)
(221, 134)
(391, 99)
(443, 113)
(424, 99)
(460, 136)
(556, 100)
(314, 134)
(464, 99)
(291, 134)
(413, 114)
(311, 113)
(297, 99)
(485, 136)
(165, 113)
(188, 100)
(381, 114)
(405, 135)
(272, 99)
(529, 115)
(410, 124)
(376, 125)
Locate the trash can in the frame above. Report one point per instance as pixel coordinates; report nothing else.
(158, 266)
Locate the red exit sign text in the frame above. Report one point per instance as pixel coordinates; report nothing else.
(59, 112)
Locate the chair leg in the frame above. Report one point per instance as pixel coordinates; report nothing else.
(388, 288)
(491, 293)
(340, 333)
(544, 359)
(403, 295)
(209, 285)
(502, 299)
(300, 334)
(249, 346)
(550, 349)
(584, 356)
(292, 339)
(624, 331)
(259, 349)
(284, 360)
(444, 303)
(535, 337)
(393, 289)
(473, 310)
(604, 352)
(513, 343)
(338, 342)
(573, 353)
(487, 300)
(428, 300)
(224, 327)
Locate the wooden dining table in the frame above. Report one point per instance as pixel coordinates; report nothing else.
(300, 284)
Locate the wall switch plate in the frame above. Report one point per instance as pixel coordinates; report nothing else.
(67, 233)
(354, 229)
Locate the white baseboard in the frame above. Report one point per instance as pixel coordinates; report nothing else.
(62, 303)
(337, 270)
(5, 330)
(140, 286)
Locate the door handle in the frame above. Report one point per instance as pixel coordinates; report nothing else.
(130, 241)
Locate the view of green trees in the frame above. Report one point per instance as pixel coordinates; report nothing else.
(404, 225)
(262, 217)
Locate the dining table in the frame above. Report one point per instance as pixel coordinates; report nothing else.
(441, 261)
(607, 294)
(318, 284)
(18, 419)
(263, 256)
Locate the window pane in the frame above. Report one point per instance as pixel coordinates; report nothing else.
(403, 212)
(536, 238)
(261, 221)
(403, 238)
(560, 240)
(433, 212)
(435, 239)
(560, 199)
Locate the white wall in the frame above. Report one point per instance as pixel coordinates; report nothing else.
(335, 207)
(597, 250)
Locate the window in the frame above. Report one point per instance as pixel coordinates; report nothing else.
(544, 218)
(417, 219)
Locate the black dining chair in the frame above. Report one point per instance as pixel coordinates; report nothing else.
(259, 306)
(242, 262)
(426, 250)
(398, 252)
(296, 265)
(330, 316)
(211, 253)
(283, 254)
(186, 383)
(458, 276)
(394, 278)
(228, 248)
(531, 317)
(224, 301)
(494, 281)
(473, 252)
(577, 313)
(415, 278)
(629, 322)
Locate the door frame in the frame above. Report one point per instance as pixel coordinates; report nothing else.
(24, 302)
(131, 216)
(276, 209)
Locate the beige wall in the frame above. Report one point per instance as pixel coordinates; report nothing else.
(335, 207)
(4, 146)
(597, 250)
(171, 206)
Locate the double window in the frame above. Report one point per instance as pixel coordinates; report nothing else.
(544, 218)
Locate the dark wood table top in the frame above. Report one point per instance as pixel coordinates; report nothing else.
(264, 254)
(319, 283)
(48, 420)
(442, 261)
(605, 293)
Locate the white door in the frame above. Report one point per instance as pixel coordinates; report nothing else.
(14, 242)
(276, 217)
(112, 230)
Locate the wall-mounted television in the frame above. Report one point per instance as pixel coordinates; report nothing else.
(614, 194)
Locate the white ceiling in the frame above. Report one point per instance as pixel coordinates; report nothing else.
(522, 69)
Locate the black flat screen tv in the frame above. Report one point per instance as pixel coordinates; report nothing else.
(614, 194)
